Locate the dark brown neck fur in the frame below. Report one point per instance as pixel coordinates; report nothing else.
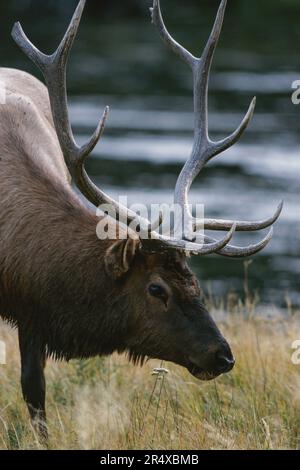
(52, 275)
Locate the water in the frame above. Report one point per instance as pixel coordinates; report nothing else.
(120, 61)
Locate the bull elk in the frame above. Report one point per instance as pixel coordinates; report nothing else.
(70, 294)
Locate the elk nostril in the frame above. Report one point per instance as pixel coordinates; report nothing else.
(224, 363)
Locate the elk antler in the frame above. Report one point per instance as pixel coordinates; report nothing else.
(204, 149)
(53, 68)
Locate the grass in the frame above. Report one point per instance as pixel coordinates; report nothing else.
(110, 404)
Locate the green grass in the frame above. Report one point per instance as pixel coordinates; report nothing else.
(110, 404)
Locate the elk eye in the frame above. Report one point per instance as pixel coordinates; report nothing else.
(157, 291)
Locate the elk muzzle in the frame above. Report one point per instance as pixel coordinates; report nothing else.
(209, 354)
(214, 363)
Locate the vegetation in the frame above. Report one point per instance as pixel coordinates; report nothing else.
(110, 404)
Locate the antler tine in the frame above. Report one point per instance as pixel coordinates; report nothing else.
(208, 247)
(158, 21)
(222, 145)
(36, 56)
(61, 54)
(53, 68)
(241, 226)
(232, 251)
(201, 80)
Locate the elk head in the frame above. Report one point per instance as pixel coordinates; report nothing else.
(165, 318)
(156, 291)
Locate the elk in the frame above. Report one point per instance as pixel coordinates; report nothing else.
(70, 294)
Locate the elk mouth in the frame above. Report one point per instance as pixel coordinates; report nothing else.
(200, 373)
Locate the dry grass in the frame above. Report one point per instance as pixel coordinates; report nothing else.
(110, 404)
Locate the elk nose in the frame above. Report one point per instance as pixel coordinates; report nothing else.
(224, 361)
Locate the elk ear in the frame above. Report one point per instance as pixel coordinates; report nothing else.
(120, 256)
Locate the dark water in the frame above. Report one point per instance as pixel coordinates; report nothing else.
(119, 60)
